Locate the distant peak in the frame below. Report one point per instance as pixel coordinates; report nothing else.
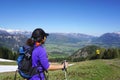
(12, 30)
(117, 32)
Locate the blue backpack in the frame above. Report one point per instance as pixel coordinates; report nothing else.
(24, 62)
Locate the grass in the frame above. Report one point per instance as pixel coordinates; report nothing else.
(86, 70)
(91, 70)
(8, 63)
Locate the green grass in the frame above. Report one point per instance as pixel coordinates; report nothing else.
(86, 70)
(8, 63)
(91, 70)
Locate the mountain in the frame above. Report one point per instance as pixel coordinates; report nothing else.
(68, 38)
(65, 43)
(56, 42)
(108, 40)
(11, 41)
(3, 32)
(15, 32)
(19, 32)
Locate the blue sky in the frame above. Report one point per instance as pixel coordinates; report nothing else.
(94, 17)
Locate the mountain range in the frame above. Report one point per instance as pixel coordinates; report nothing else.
(108, 40)
(59, 42)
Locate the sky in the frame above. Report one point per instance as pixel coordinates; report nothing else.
(93, 17)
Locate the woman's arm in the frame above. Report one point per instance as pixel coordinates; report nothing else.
(57, 66)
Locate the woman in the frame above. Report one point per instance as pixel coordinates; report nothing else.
(39, 55)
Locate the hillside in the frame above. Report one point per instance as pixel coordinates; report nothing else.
(94, 52)
(85, 52)
(86, 70)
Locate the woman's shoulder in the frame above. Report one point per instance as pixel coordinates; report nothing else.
(40, 48)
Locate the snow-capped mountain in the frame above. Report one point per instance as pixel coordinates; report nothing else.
(15, 32)
(28, 33)
(11, 40)
(3, 32)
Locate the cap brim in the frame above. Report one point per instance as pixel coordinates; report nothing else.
(46, 34)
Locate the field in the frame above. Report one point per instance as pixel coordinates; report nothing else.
(86, 70)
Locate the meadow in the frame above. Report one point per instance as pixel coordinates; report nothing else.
(86, 70)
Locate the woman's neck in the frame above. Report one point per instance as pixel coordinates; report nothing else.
(37, 44)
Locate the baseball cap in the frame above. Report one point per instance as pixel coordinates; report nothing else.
(39, 32)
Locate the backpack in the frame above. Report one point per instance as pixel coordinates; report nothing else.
(24, 62)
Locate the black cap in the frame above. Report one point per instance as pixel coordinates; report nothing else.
(38, 32)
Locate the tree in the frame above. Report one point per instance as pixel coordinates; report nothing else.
(7, 53)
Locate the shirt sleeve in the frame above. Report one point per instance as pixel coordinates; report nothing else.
(44, 59)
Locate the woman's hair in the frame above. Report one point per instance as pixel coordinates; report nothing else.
(37, 36)
(30, 42)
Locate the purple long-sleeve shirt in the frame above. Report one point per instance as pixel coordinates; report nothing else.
(39, 56)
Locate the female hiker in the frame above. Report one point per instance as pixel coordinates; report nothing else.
(39, 55)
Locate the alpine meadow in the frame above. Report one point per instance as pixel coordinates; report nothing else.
(86, 70)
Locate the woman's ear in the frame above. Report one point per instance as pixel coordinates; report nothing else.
(43, 40)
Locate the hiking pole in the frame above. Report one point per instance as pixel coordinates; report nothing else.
(15, 74)
(65, 69)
